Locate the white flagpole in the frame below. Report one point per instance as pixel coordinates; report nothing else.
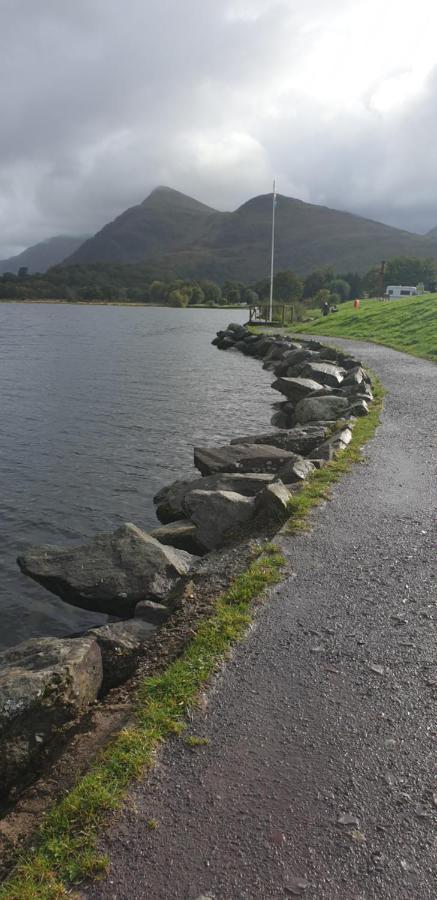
(273, 253)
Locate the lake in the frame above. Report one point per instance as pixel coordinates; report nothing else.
(100, 407)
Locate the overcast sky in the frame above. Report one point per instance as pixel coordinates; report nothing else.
(102, 100)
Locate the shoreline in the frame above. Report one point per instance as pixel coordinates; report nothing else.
(197, 595)
(121, 303)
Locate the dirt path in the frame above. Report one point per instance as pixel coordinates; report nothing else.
(327, 710)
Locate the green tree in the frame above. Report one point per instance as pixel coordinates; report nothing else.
(211, 291)
(410, 270)
(287, 287)
(340, 287)
(197, 295)
(177, 298)
(317, 280)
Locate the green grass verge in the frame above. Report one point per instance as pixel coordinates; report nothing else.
(318, 487)
(408, 324)
(66, 847)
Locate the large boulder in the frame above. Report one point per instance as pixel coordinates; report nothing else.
(110, 574)
(218, 515)
(121, 644)
(240, 458)
(272, 504)
(321, 409)
(295, 389)
(169, 500)
(335, 444)
(298, 470)
(325, 373)
(45, 683)
(295, 440)
(180, 534)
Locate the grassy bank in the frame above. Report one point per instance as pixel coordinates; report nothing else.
(408, 324)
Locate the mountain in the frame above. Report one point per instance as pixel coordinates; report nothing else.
(164, 222)
(176, 235)
(41, 257)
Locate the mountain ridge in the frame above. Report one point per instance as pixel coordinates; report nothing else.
(43, 255)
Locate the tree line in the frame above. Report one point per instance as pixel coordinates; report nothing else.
(136, 283)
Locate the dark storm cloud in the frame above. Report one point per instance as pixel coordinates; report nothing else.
(102, 100)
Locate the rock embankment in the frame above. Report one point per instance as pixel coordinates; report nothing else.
(245, 489)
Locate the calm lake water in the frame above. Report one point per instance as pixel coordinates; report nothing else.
(100, 407)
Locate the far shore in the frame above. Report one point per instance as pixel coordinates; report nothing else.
(120, 303)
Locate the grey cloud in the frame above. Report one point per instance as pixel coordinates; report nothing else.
(102, 100)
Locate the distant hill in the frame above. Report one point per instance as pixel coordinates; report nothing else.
(41, 257)
(175, 234)
(165, 221)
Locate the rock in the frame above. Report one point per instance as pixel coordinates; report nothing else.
(282, 419)
(45, 683)
(152, 613)
(324, 373)
(169, 500)
(179, 534)
(110, 574)
(218, 515)
(237, 329)
(240, 458)
(295, 389)
(272, 503)
(360, 408)
(298, 470)
(121, 644)
(295, 440)
(335, 444)
(276, 351)
(320, 409)
(302, 354)
(354, 377)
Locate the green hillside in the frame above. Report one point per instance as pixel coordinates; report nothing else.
(409, 324)
(173, 233)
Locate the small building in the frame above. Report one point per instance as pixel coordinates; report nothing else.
(401, 290)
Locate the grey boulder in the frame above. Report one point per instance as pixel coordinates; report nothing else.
(45, 683)
(180, 534)
(271, 504)
(121, 644)
(335, 444)
(218, 515)
(321, 409)
(325, 373)
(295, 389)
(295, 440)
(240, 458)
(169, 500)
(110, 574)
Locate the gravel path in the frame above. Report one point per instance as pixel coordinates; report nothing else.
(318, 777)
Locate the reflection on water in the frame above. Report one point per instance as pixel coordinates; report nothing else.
(101, 406)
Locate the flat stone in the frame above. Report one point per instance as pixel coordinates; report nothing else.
(110, 574)
(240, 458)
(45, 683)
(218, 515)
(324, 373)
(295, 389)
(180, 534)
(151, 612)
(319, 409)
(295, 440)
(169, 500)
